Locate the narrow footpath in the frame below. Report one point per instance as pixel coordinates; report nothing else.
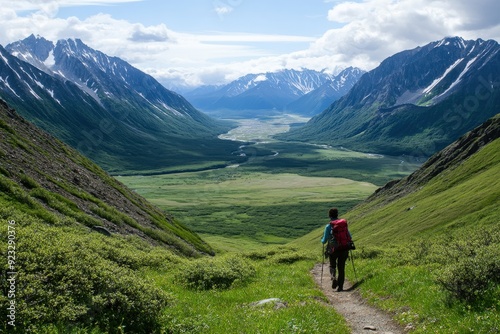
(361, 317)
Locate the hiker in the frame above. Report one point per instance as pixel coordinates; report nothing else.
(338, 241)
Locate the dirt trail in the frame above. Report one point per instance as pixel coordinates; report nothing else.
(361, 317)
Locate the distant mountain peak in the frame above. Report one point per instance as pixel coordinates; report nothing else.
(275, 90)
(35, 50)
(455, 41)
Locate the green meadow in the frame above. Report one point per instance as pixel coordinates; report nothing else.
(281, 193)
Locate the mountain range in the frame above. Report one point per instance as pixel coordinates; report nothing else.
(112, 112)
(305, 92)
(415, 102)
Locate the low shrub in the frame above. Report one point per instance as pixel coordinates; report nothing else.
(215, 273)
(28, 182)
(291, 257)
(465, 262)
(64, 280)
(473, 276)
(369, 252)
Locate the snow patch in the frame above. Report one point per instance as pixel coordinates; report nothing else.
(466, 69)
(261, 77)
(34, 93)
(172, 110)
(51, 60)
(4, 59)
(6, 83)
(438, 80)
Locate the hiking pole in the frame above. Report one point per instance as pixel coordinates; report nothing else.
(322, 262)
(352, 261)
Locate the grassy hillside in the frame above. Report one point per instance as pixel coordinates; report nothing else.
(50, 180)
(428, 245)
(457, 188)
(75, 237)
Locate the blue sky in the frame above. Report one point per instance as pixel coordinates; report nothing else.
(287, 17)
(194, 42)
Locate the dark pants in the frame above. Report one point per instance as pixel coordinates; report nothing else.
(337, 261)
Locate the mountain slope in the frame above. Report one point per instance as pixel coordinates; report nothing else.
(79, 241)
(456, 188)
(57, 183)
(274, 90)
(416, 102)
(115, 114)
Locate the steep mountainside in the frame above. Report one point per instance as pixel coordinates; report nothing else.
(276, 90)
(458, 187)
(52, 181)
(416, 102)
(109, 110)
(79, 241)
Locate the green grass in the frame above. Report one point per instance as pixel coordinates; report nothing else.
(323, 161)
(407, 281)
(461, 197)
(71, 280)
(233, 311)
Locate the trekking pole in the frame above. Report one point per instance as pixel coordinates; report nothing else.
(352, 260)
(322, 262)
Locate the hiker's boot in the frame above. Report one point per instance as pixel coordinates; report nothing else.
(340, 289)
(334, 283)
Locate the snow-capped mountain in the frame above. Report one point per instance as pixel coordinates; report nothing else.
(416, 102)
(272, 90)
(320, 98)
(102, 105)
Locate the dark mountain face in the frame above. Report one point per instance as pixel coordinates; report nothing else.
(416, 102)
(109, 110)
(276, 90)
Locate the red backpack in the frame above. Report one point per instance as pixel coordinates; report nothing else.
(340, 239)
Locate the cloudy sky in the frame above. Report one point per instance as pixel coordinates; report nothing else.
(194, 42)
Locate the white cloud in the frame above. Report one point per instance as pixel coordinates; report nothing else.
(158, 33)
(373, 30)
(367, 32)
